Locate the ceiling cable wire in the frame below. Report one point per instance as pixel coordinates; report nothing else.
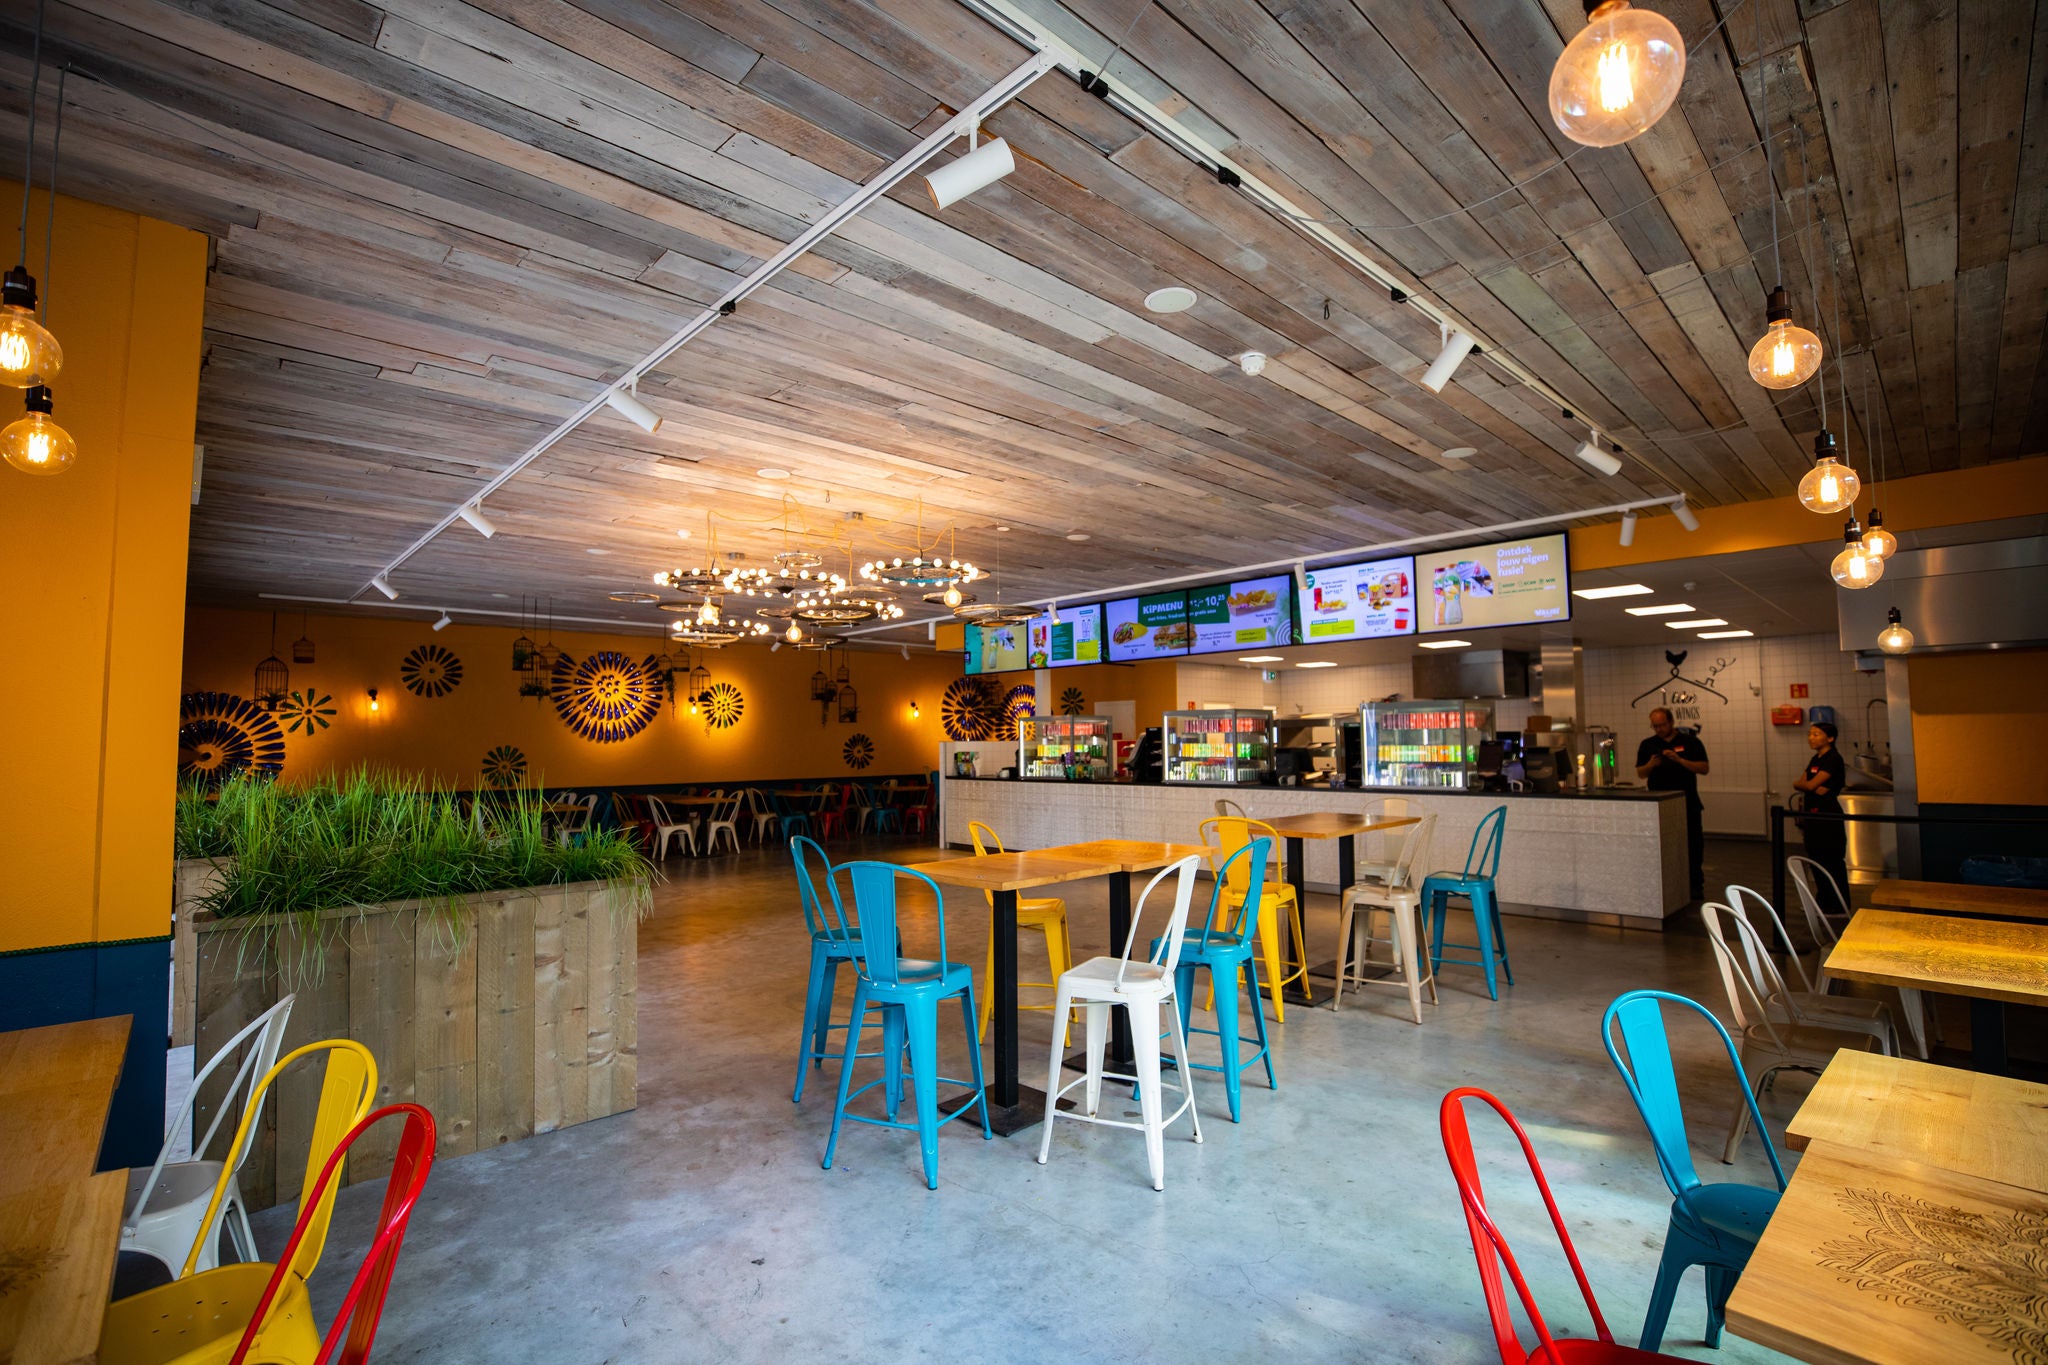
(28, 154)
(50, 223)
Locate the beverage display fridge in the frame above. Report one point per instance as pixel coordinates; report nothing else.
(1219, 746)
(1074, 747)
(1421, 743)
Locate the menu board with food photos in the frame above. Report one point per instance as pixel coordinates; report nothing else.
(1076, 638)
(1510, 583)
(1254, 613)
(996, 649)
(1154, 626)
(1365, 601)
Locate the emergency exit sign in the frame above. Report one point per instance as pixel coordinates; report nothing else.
(1798, 689)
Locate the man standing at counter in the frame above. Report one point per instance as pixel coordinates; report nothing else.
(1670, 762)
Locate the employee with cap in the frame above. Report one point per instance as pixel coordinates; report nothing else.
(1672, 762)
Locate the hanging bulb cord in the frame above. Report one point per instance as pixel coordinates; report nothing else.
(50, 223)
(28, 156)
(1770, 173)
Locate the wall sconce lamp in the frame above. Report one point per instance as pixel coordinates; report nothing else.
(373, 701)
(913, 710)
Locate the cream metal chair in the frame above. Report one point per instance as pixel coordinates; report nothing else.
(1144, 990)
(1807, 875)
(1767, 1046)
(167, 1202)
(1808, 1005)
(723, 819)
(765, 818)
(1230, 809)
(1376, 868)
(667, 827)
(1398, 896)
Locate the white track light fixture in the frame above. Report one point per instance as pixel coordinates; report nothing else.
(629, 406)
(383, 585)
(474, 515)
(445, 622)
(980, 168)
(1592, 456)
(1685, 516)
(1457, 345)
(1628, 529)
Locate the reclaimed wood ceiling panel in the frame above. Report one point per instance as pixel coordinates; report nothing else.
(439, 226)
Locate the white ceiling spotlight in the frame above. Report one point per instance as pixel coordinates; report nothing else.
(1628, 529)
(981, 167)
(1175, 298)
(474, 515)
(628, 405)
(1461, 452)
(1685, 517)
(1592, 456)
(383, 585)
(1457, 345)
(445, 622)
(1252, 363)
(906, 651)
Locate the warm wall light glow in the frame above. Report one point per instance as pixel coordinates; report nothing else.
(373, 701)
(913, 711)
(1894, 638)
(1618, 76)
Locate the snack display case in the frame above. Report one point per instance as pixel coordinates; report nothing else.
(1073, 747)
(1421, 743)
(1218, 746)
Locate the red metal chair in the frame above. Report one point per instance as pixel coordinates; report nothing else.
(831, 819)
(364, 1305)
(1492, 1250)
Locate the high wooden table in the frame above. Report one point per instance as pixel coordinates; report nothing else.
(1002, 875)
(1993, 962)
(1323, 825)
(1894, 1107)
(1871, 1259)
(1129, 855)
(60, 1225)
(1956, 898)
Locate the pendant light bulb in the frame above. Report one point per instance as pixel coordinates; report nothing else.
(1785, 356)
(36, 444)
(1894, 638)
(1877, 540)
(954, 597)
(1855, 567)
(794, 633)
(29, 355)
(1618, 76)
(1829, 486)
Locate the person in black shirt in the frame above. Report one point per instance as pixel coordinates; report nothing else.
(1671, 762)
(1827, 841)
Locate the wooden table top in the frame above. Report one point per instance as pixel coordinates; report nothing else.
(1855, 1270)
(1013, 871)
(1982, 1125)
(57, 1249)
(1131, 855)
(2012, 902)
(55, 1086)
(692, 800)
(1336, 825)
(1986, 958)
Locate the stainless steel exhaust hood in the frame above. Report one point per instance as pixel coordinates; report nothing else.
(1991, 595)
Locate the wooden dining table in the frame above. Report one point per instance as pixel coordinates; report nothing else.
(60, 1224)
(1988, 1126)
(1992, 962)
(1958, 898)
(1345, 829)
(1011, 1105)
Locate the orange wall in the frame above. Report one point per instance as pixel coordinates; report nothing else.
(93, 560)
(1977, 721)
(777, 736)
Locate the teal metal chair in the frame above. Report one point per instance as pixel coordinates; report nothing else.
(1231, 957)
(1475, 884)
(1715, 1226)
(834, 941)
(917, 987)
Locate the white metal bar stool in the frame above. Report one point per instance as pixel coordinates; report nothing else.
(1397, 895)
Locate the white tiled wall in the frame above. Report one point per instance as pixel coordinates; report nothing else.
(1206, 683)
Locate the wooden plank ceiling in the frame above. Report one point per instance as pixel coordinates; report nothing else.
(439, 226)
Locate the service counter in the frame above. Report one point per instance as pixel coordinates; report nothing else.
(1612, 857)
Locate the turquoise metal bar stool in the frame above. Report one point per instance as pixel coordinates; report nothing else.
(1475, 883)
(1231, 957)
(917, 987)
(1715, 1226)
(834, 940)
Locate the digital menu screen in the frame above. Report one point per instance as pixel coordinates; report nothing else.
(1254, 613)
(1510, 583)
(1076, 638)
(1151, 627)
(996, 649)
(1359, 601)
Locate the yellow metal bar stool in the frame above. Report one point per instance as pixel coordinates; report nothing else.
(1047, 916)
(1225, 835)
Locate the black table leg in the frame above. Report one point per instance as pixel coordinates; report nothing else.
(1297, 877)
(1010, 1106)
(1987, 1035)
(1119, 1056)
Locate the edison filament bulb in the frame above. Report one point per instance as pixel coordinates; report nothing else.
(1618, 76)
(1877, 540)
(36, 444)
(1785, 356)
(1855, 567)
(29, 355)
(1830, 486)
(1894, 638)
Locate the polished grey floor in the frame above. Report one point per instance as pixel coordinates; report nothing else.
(1323, 1227)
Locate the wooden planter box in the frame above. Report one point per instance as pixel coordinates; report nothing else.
(508, 1015)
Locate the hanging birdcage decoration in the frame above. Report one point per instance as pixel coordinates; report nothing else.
(525, 654)
(273, 679)
(699, 692)
(847, 697)
(823, 690)
(546, 656)
(302, 648)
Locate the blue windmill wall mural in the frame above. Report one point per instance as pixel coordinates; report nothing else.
(221, 735)
(607, 697)
(430, 671)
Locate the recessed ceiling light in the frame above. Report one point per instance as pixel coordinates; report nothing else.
(1725, 634)
(1175, 298)
(1665, 610)
(503, 596)
(1461, 452)
(1696, 625)
(1259, 659)
(1447, 644)
(682, 535)
(1002, 528)
(594, 550)
(1317, 663)
(772, 473)
(1077, 535)
(1625, 590)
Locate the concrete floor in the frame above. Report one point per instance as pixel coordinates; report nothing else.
(1324, 1227)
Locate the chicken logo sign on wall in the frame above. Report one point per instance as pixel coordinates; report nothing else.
(607, 697)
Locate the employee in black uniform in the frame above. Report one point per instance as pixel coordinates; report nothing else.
(1827, 841)
(1670, 762)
